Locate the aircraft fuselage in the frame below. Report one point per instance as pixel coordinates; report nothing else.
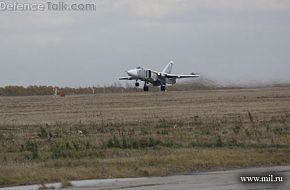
(150, 76)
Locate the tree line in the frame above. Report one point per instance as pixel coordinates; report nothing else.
(200, 83)
(50, 90)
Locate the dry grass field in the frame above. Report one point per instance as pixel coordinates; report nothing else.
(46, 138)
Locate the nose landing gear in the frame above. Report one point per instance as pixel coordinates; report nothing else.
(163, 88)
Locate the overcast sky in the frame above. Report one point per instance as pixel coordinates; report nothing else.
(225, 40)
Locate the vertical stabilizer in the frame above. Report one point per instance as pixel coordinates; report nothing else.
(168, 67)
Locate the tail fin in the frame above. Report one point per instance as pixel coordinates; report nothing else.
(168, 67)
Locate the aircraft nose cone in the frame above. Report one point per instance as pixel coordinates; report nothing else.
(132, 72)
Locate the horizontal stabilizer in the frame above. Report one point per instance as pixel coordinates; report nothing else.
(181, 76)
(126, 78)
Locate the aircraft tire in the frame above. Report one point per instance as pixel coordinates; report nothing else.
(146, 88)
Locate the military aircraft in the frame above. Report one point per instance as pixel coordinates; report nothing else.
(155, 78)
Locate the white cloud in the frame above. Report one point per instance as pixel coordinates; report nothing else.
(163, 8)
(30, 40)
(243, 5)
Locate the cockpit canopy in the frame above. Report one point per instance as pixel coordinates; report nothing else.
(139, 67)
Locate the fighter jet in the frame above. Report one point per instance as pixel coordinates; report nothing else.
(155, 78)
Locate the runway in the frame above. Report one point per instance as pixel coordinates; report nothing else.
(223, 180)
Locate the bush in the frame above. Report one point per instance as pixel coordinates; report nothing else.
(65, 183)
(236, 129)
(216, 143)
(44, 133)
(69, 148)
(163, 132)
(219, 142)
(33, 148)
(59, 150)
(171, 144)
(4, 181)
(162, 123)
(114, 143)
(131, 143)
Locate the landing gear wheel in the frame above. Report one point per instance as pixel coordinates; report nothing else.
(163, 88)
(146, 88)
(137, 83)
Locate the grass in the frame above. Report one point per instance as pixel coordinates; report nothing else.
(93, 138)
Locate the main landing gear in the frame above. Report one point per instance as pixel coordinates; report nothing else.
(146, 88)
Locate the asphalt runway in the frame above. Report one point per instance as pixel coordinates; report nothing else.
(223, 180)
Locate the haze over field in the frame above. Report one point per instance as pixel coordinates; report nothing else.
(228, 41)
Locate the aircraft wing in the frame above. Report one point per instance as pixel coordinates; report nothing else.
(126, 78)
(181, 76)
